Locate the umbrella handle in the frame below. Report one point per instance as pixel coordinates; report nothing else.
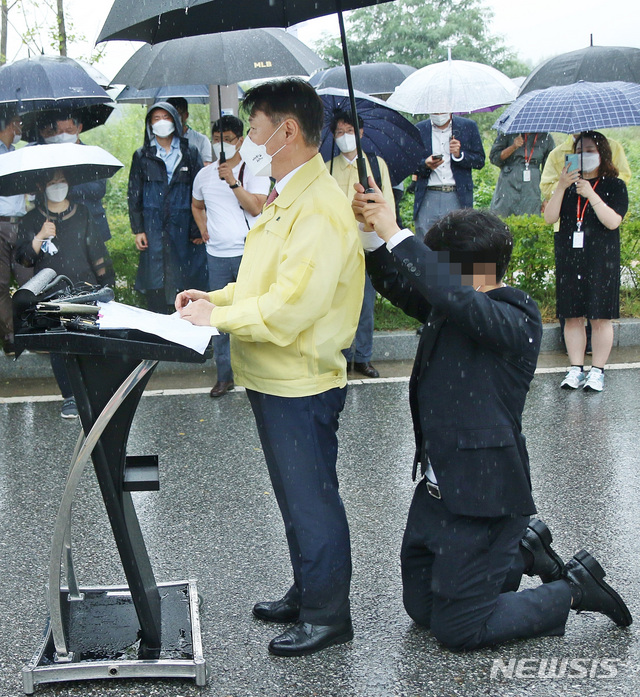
(223, 158)
(360, 161)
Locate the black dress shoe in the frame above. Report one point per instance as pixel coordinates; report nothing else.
(304, 638)
(221, 388)
(366, 369)
(546, 562)
(283, 610)
(589, 591)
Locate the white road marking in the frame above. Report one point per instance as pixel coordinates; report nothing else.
(205, 390)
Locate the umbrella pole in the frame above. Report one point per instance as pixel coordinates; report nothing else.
(360, 161)
(223, 157)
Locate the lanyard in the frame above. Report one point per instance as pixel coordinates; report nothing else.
(527, 159)
(580, 213)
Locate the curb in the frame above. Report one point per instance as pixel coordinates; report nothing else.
(387, 346)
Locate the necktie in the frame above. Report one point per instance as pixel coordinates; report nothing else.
(271, 197)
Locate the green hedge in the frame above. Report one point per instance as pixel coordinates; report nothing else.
(532, 265)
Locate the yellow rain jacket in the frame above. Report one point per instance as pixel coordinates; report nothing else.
(297, 299)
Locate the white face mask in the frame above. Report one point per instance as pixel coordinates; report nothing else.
(57, 192)
(61, 138)
(590, 161)
(17, 138)
(256, 157)
(163, 128)
(439, 119)
(346, 142)
(229, 150)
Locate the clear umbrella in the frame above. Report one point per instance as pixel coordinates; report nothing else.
(22, 170)
(453, 86)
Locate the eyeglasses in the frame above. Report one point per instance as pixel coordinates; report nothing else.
(227, 139)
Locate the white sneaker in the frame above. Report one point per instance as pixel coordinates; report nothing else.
(595, 381)
(574, 379)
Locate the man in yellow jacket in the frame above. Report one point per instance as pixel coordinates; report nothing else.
(291, 312)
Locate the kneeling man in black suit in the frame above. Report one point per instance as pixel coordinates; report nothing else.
(469, 535)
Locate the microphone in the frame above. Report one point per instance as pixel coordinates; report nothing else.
(102, 295)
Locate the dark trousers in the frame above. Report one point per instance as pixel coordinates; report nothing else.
(61, 374)
(299, 440)
(460, 574)
(222, 270)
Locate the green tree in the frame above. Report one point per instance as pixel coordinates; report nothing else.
(418, 32)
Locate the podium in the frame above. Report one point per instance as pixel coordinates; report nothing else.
(142, 628)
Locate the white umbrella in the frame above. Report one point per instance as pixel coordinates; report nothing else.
(453, 87)
(21, 170)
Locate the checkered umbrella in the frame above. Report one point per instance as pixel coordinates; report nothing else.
(581, 106)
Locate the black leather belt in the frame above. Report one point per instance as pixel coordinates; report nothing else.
(10, 219)
(445, 189)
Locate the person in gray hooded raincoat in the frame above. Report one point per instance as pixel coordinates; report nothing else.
(172, 256)
(520, 158)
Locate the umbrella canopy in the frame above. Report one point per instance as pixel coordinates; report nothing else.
(160, 20)
(453, 87)
(194, 94)
(22, 170)
(591, 64)
(94, 74)
(48, 82)
(386, 132)
(573, 108)
(371, 78)
(220, 59)
(90, 116)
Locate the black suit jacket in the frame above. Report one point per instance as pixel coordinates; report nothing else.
(475, 361)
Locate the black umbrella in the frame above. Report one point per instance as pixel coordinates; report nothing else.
(194, 94)
(89, 116)
(48, 82)
(221, 59)
(375, 79)
(154, 21)
(160, 20)
(591, 64)
(386, 132)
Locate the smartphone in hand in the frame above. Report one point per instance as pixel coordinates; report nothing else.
(572, 161)
(436, 157)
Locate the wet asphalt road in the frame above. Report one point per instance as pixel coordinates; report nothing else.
(215, 519)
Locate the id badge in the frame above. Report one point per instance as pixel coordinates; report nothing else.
(526, 175)
(578, 239)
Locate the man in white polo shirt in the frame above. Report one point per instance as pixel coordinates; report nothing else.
(226, 200)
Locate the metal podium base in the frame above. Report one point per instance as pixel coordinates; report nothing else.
(103, 633)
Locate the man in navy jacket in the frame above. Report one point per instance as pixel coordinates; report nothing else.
(172, 254)
(469, 536)
(453, 148)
